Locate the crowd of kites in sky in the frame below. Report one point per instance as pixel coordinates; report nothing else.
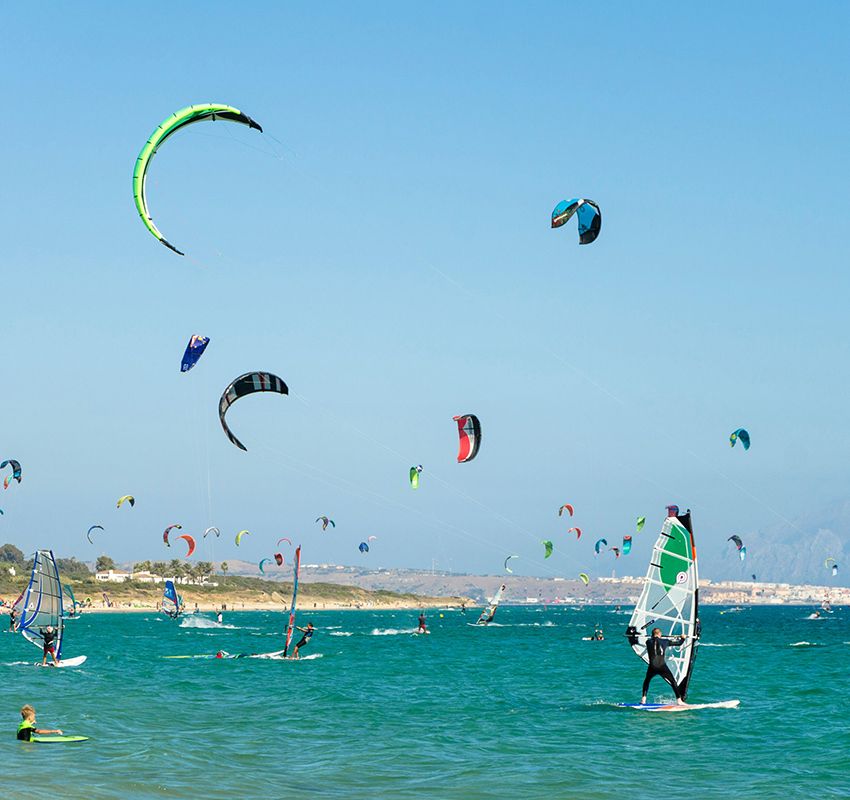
(589, 218)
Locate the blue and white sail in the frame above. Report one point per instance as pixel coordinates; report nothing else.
(40, 604)
(170, 600)
(71, 611)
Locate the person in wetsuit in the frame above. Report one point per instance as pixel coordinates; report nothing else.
(27, 727)
(48, 636)
(12, 620)
(655, 647)
(308, 633)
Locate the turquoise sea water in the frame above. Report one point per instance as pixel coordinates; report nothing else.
(521, 709)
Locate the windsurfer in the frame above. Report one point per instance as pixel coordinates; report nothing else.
(48, 636)
(304, 640)
(12, 620)
(655, 647)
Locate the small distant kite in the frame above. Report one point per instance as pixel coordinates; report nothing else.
(167, 531)
(672, 511)
(584, 579)
(214, 530)
(93, 528)
(641, 521)
(547, 543)
(742, 435)
(16, 472)
(129, 498)
(278, 558)
(325, 522)
(566, 507)
(240, 535)
(190, 540)
(194, 350)
(737, 540)
(600, 543)
(833, 565)
(616, 551)
(469, 432)
(742, 553)
(627, 545)
(589, 218)
(284, 539)
(249, 383)
(507, 568)
(371, 538)
(577, 532)
(414, 476)
(364, 548)
(260, 565)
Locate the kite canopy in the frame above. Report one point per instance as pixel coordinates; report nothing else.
(262, 562)
(249, 383)
(190, 540)
(325, 522)
(278, 558)
(627, 545)
(641, 521)
(16, 472)
(742, 553)
(194, 350)
(364, 548)
(547, 543)
(599, 544)
(589, 218)
(584, 579)
(577, 532)
(284, 539)
(469, 431)
(129, 498)
(672, 511)
(566, 507)
(616, 551)
(93, 528)
(414, 476)
(507, 568)
(240, 535)
(216, 531)
(737, 539)
(741, 434)
(178, 120)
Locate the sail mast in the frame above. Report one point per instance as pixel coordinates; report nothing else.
(41, 603)
(291, 626)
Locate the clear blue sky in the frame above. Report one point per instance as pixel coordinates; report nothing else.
(385, 248)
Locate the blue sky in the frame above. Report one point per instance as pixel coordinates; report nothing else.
(385, 248)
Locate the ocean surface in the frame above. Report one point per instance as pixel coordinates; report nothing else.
(523, 708)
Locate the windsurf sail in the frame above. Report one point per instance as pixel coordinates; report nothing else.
(291, 626)
(40, 604)
(670, 599)
(75, 606)
(488, 613)
(170, 601)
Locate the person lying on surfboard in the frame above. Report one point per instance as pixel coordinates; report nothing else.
(48, 634)
(655, 647)
(27, 727)
(308, 633)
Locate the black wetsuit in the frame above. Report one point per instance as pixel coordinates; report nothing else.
(48, 637)
(657, 666)
(305, 638)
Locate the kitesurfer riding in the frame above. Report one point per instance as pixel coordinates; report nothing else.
(655, 647)
(423, 628)
(48, 636)
(308, 633)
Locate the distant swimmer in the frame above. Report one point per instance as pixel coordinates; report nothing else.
(423, 628)
(48, 636)
(304, 640)
(655, 647)
(27, 727)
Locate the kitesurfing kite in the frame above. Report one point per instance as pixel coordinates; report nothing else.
(599, 544)
(16, 472)
(93, 528)
(742, 553)
(240, 535)
(371, 538)
(737, 539)
(742, 435)
(260, 565)
(216, 531)
(507, 568)
(249, 383)
(577, 532)
(364, 548)
(672, 511)
(414, 476)
(627, 545)
(616, 551)
(278, 558)
(177, 121)
(589, 217)
(584, 579)
(194, 350)
(641, 521)
(129, 498)
(325, 522)
(167, 531)
(190, 540)
(566, 507)
(547, 543)
(284, 539)
(469, 431)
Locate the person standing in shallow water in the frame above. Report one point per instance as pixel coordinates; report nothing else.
(655, 647)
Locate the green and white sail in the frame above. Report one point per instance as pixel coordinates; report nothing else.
(670, 599)
(40, 604)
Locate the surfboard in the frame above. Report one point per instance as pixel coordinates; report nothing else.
(65, 662)
(57, 739)
(674, 707)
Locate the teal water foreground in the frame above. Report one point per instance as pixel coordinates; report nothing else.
(520, 709)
